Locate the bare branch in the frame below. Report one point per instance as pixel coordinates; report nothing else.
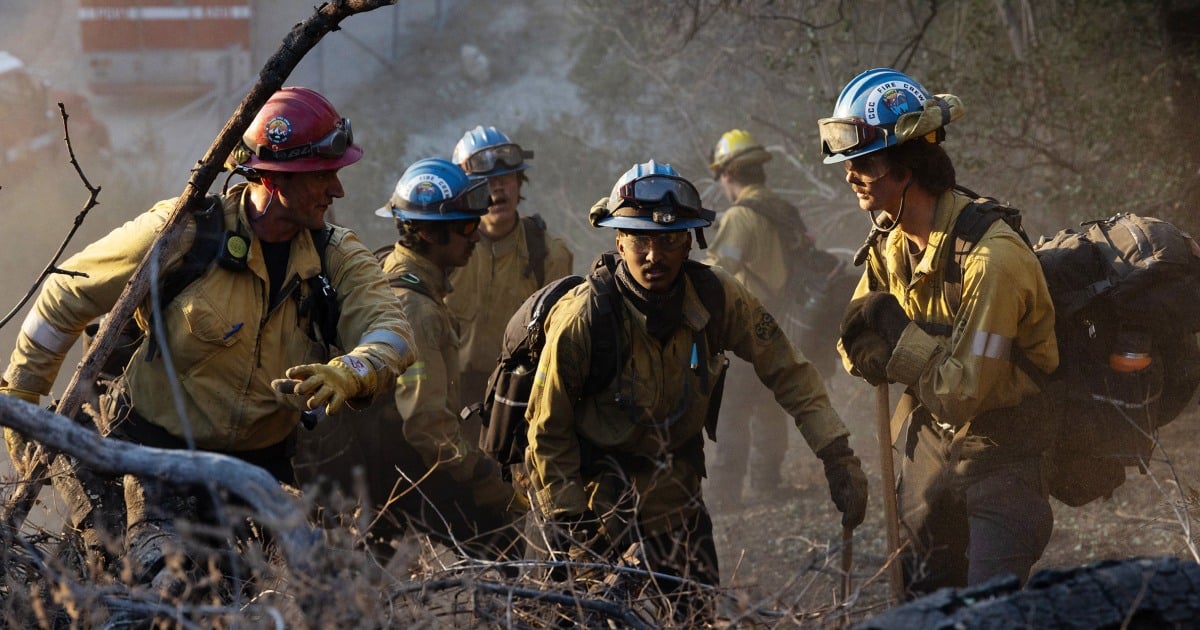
(115, 457)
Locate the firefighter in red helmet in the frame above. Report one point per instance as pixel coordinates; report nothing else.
(292, 314)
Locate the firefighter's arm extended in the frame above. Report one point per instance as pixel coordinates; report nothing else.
(370, 314)
(799, 389)
(69, 301)
(754, 335)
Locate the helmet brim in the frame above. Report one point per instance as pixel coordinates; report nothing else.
(646, 224)
(309, 164)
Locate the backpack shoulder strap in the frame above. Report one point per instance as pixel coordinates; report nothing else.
(712, 296)
(535, 242)
(326, 310)
(210, 234)
(969, 228)
(604, 313)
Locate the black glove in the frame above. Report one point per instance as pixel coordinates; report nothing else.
(885, 316)
(868, 352)
(847, 481)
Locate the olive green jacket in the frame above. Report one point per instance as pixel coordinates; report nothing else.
(655, 408)
(492, 286)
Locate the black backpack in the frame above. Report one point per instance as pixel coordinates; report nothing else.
(819, 286)
(1118, 281)
(502, 412)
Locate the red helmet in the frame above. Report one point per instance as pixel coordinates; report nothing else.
(296, 131)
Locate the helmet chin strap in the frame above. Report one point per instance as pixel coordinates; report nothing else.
(878, 228)
(271, 190)
(877, 224)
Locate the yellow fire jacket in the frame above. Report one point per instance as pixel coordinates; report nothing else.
(427, 394)
(1006, 308)
(225, 342)
(655, 407)
(492, 286)
(747, 244)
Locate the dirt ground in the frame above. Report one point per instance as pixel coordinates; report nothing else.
(784, 553)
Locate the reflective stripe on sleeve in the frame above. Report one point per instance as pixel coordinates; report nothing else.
(991, 345)
(45, 335)
(414, 374)
(388, 338)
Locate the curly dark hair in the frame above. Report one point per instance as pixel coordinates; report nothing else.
(411, 240)
(930, 165)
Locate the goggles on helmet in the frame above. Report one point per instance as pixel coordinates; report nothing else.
(839, 135)
(508, 155)
(476, 198)
(654, 189)
(333, 145)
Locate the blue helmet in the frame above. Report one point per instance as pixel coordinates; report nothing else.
(434, 189)
(653, 196)
(485, 152)
(881, 108)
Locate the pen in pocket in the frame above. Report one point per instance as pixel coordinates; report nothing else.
(232, 331)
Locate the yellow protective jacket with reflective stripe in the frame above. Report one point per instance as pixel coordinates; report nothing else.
(225, 343)
(747, 244)
(655, 406)
(427, 394)
(492, 286)
(1006, 308)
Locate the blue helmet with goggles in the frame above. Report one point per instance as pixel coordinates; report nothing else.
(881, 108)
(486, 152)
(653, 196)
(434, 189)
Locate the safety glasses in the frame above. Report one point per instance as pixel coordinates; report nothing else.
(333, 145)
(868, 168)
(641, 242)
(507, 155)
(654, 190)
(465, 227)
(839, 135)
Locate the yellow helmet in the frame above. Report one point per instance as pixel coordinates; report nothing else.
(736, 147)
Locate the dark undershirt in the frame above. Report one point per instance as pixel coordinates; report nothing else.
(275, 256)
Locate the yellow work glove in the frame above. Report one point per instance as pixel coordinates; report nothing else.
(331, 384)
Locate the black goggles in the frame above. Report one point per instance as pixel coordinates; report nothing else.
(333, 145)
(839, 135)
(654, 190)
(505, 155)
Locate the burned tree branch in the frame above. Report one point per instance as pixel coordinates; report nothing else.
(252, 484)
